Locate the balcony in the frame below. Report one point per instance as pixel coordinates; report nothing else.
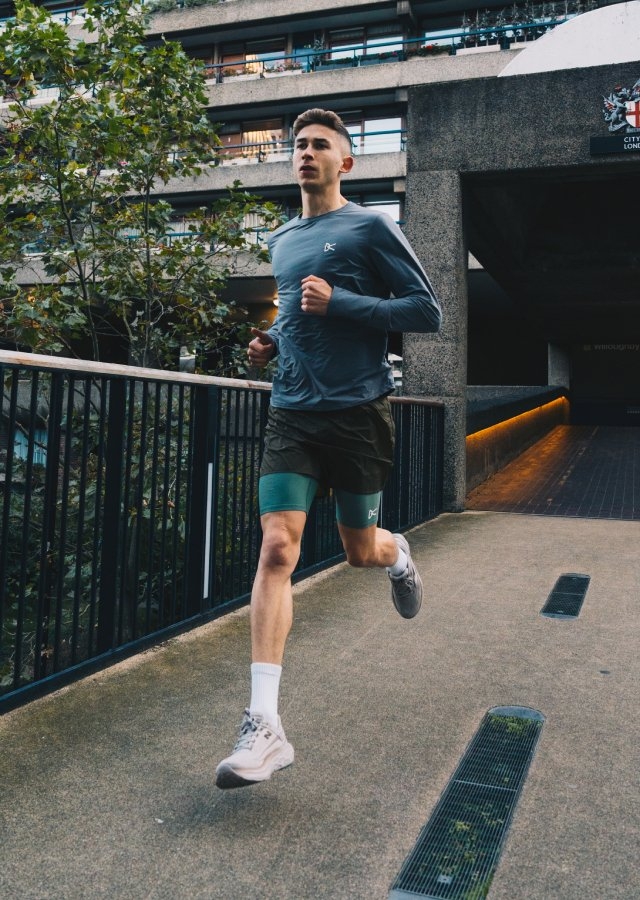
(380, 156)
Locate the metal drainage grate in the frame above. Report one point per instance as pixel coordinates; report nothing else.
(457, 851)
(565, 600)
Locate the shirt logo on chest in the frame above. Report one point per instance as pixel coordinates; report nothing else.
(329, 248)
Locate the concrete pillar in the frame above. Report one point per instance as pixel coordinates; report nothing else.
(436, 365)
(559, 366)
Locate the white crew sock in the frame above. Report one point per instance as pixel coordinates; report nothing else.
(400, 565)
(265, 684)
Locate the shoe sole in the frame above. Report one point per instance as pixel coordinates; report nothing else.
(401, 541)
(227, 778)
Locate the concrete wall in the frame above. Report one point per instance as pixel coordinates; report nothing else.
(508, 420)
(322, 87)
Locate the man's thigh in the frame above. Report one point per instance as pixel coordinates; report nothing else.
(359, 511)
(286, 492)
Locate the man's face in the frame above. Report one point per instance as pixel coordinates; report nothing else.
(320, 156)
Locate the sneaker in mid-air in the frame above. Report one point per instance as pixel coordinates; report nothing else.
(259, 752)
(406, 590)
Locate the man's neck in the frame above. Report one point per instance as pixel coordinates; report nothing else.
(319, 204)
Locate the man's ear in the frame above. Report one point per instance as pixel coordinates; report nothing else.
(347, 164)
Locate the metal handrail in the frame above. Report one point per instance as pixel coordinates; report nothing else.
(262, 150)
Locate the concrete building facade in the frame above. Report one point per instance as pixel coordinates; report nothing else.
(497, 174)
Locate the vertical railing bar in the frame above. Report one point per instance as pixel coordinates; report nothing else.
(47, 581)
(177, 508)
(254, 512)
(107, 616)
(244, 530)
(424, 467)
(164, 500)
(265, 402)
(414, 498)
(98, 529)
(199, 517)
(225, 495)
(214, 440)
(63, 528)
(153, 490)
(236, 525)
(125, 614)
(160, 500)
(251, 470)
(195, 472)
(8, 479)
(80, 531)
(26, 529)
(139, 520)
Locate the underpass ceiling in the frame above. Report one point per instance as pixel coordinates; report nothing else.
(564, 249)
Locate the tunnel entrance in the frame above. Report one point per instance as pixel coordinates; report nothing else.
(556, 286)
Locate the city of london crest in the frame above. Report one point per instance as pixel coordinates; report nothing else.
(622, 109)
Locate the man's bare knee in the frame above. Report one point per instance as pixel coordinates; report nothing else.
(279, 552)
(360, 557)
(280, 546)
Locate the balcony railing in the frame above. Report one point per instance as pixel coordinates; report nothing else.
(387, 141)
(128, 508)
(357, 55)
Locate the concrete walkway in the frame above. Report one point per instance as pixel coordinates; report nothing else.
(107, 786)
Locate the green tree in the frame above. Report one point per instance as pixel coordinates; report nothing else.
(100, 119)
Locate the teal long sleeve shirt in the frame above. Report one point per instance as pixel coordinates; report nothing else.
(339, 360)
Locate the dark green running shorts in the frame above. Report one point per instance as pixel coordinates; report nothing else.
(349, 450)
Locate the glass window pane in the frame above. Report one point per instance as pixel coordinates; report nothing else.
(343, 42)
(390, 207)
(391, 44)
(382, 136)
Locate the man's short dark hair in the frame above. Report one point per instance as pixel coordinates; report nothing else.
(322, 117)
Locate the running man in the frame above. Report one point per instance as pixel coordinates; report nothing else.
(346, 276)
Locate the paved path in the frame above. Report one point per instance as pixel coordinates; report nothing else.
(588, 471)
(107, 786)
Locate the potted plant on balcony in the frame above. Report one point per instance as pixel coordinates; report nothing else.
(428, 50)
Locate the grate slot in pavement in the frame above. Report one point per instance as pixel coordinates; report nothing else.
(457, 851)
(565, 600)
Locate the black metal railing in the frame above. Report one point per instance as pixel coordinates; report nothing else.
(128, 508)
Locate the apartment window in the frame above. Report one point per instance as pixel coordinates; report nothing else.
(273, 51)
(231, 141)
(260, 137)
(369, 40)
(233, 53)
(307, 43)
(248, 56)
(384, 39)
(382, 135)
(266, 135)
(390, 204)
(203, 55)
(342, 43)
(389, 207)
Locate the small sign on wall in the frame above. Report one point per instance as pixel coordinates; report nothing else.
(621, 111)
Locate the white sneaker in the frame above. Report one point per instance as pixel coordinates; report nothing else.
(259, 752)
(406, 590)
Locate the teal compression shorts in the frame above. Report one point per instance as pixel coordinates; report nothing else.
(285, 491)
